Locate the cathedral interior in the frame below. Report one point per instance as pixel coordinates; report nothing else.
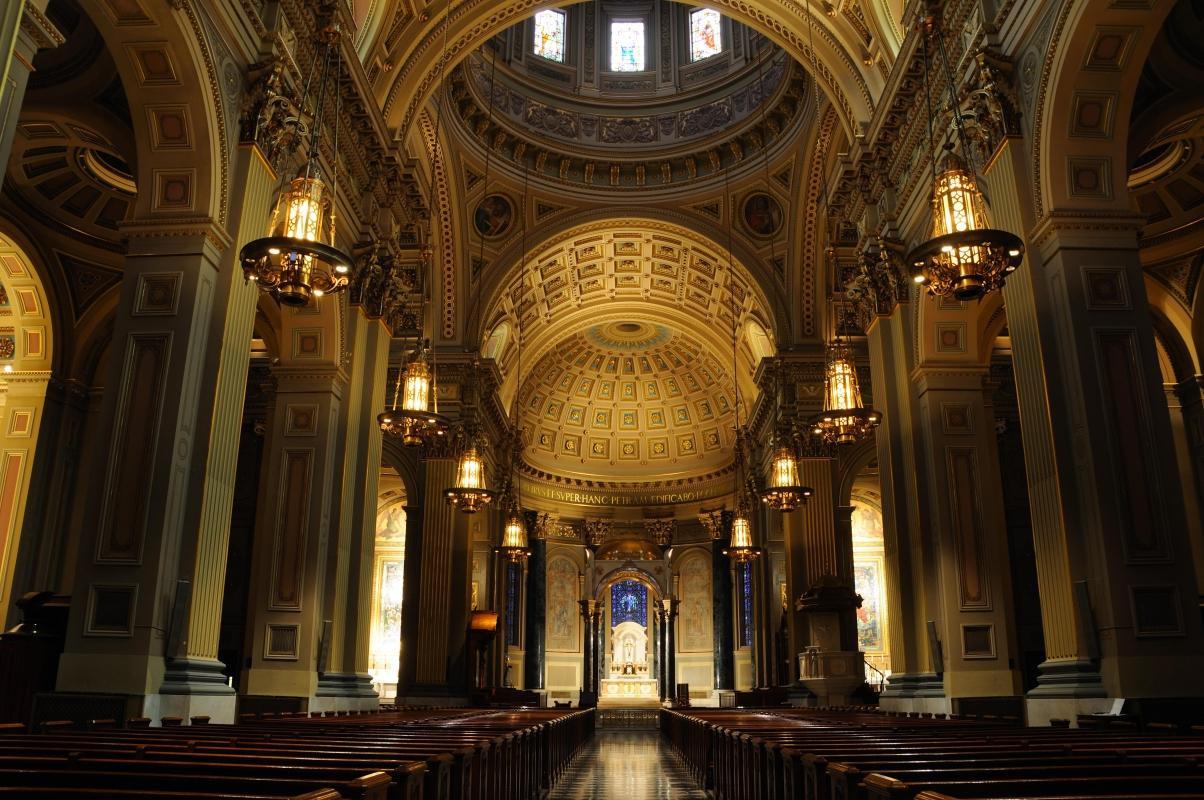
(473, 370)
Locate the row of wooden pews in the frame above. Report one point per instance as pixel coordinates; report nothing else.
(415, 754)
(867, 754)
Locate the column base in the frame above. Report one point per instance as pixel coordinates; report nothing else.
(1068, 678)
(199, 676)
(914, 684)
(345, 684)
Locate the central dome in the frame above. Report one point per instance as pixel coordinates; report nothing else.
(628, 95)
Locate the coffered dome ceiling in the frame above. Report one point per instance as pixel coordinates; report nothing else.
(630, 398)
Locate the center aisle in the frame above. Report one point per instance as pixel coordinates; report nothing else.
(627, 764)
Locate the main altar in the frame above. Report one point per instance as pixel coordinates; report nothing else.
(627, 680)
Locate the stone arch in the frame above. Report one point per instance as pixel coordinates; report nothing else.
(29, 339)
(1084, 99)
(853, 87)
(852, 462)
(628, 572)
(177, 94)
(767, 303)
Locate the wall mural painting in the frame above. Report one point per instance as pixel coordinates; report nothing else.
(494, 216)
(563, 612)
(867, 578)
(761, 214)
(694, 625)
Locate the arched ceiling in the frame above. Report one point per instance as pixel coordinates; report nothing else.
(627, 269)
(627, 383)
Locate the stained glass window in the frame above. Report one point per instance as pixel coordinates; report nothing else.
(706, 39)
(628, 603)
(549, 35)
(746, 615)
(627, 46)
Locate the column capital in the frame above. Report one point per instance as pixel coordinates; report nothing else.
(176, 236)
(1086, 230)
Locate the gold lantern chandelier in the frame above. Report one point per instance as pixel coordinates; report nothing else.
(740, 547)
(514, 531)
(845, 418)
(298, 261)
(414, 417)
(964, 259)
(783, 490)
(470, 493)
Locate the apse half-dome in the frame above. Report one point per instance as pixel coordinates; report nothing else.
(628, 399)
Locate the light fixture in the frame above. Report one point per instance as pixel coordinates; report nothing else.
(411, 418)
(470, 493)
(844, 419)
(514, 536)
(740, 544)
(964, 259)
(741, 548)
(298, 260)
(783, 491)
(514, 532)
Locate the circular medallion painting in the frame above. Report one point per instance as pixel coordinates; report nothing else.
(762, 214)
(493, 216)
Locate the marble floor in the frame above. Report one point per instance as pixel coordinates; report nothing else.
(627, 765)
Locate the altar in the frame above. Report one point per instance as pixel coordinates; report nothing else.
(627, 690)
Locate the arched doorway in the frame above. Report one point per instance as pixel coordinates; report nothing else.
(629, 599)
(388, 566)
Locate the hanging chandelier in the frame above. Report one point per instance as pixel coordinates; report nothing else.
(514, 536)
(741, 548)
(514, 532)
(965, 258)
(844, 419)
(298, 260)
(783, 491)
(411, 419)
(470, 493)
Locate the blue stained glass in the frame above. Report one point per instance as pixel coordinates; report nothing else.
(627, 46)
(746, 615)
(514, 579)
(628, 602)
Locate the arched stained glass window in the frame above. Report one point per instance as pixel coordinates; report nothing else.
(627, 46)
(549, 35)
(706, 38)
(629, 603)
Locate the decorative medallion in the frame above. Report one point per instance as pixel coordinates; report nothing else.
(761, 214)
(494, 216)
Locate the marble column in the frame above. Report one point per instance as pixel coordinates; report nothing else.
(441, 576)
(723, 617)
(828, 602)
(536, 616)
(345, 681)
(661, 662)
(589, 646)
(974, 620)
(24, 30)
(1186, 403)
(669, 609)
(909, 595)
(137, 583)
(288, 623)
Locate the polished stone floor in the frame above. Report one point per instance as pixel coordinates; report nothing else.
(627, 765)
